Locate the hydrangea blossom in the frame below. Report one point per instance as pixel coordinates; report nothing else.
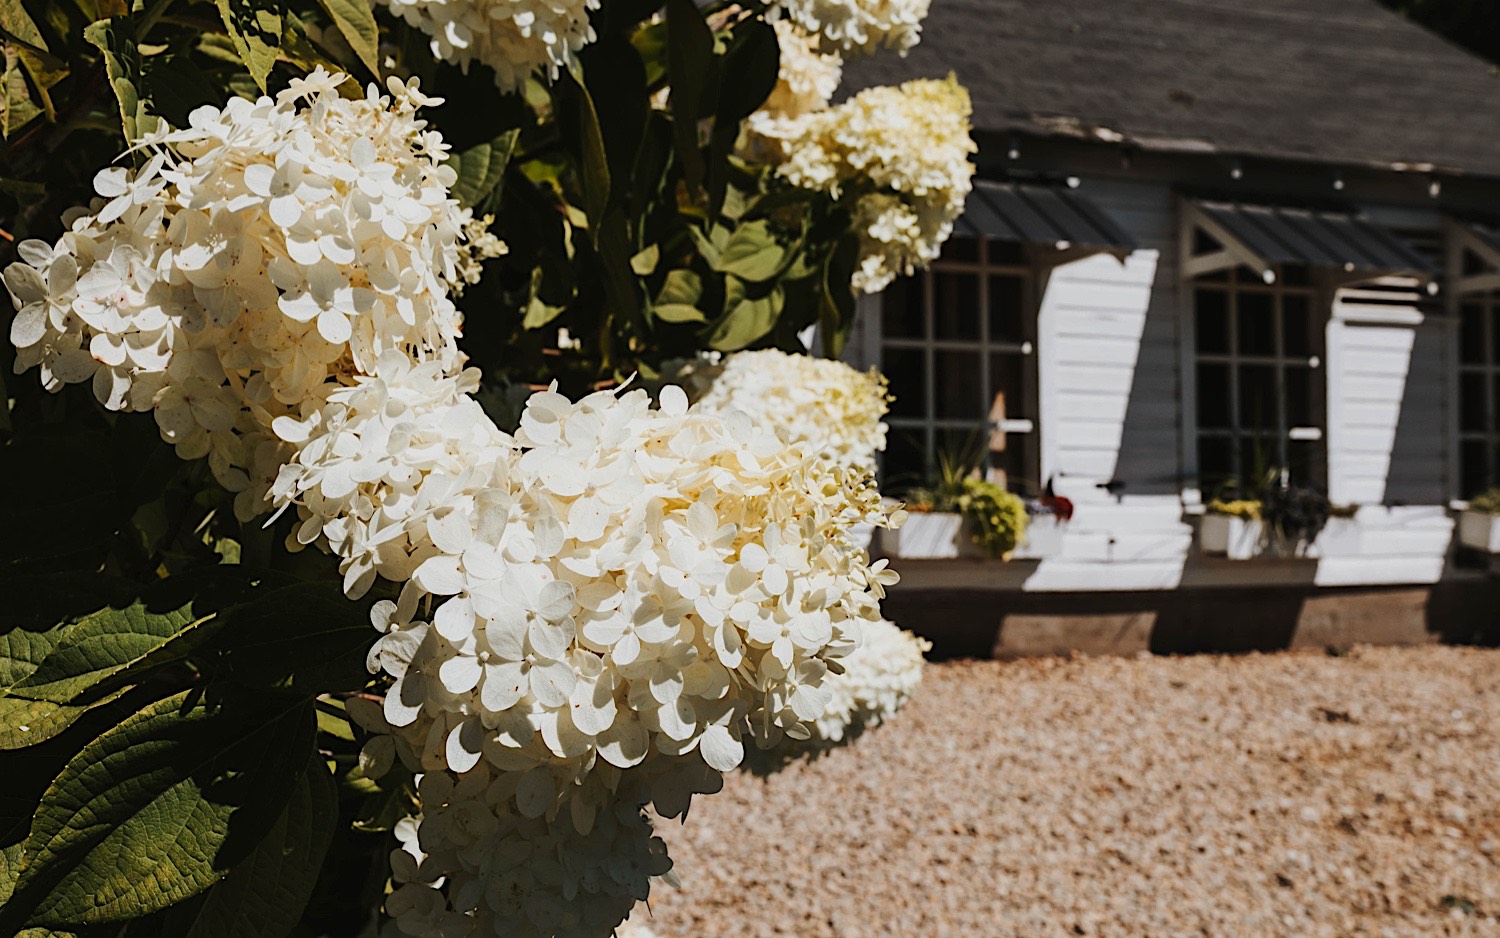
(265, 250)
(877, 681)
(807, 80)
(594, 614)
(516, 38)
(860, 25)
(825, 405)
(912, 144)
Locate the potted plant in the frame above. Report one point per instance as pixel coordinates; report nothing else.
(1479, 525)
(960, 515)
(1276, 518)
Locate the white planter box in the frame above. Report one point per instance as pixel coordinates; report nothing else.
(1479, 530)
(1044, 538)
(929, 535)
(1235, 538)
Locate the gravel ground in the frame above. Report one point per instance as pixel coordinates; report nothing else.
(1286, 794)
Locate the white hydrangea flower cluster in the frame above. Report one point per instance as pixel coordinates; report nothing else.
(860, 25)
(266, 249)
(593, 614)
(912, 144)
(878, 680)
(822, 404)
(807, 81)
(516, 38)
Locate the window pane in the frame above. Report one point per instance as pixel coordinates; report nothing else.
(1474, 475)
(1215, 463)
(1258, 410)
(901, 308)
(1007, 309)
(1295, 275)
(1299, 405)
(1257, 328)
(955, 305)
(961, 249)
(1471, 342)
(1008, 377)
(956, 379)
(904, 463)
(1259, 454)
(1007, 252)
(1296, 335)
(906, 369)
(1212, 321)
(1471, 400)
(1213, 396)
(1303, 457)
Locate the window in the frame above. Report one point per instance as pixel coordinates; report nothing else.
(1259, 393)
(1478, 387)
(952, 339)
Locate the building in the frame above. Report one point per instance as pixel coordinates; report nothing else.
(1207, 239)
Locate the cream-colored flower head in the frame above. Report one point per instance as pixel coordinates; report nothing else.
(807, 82)
(860, 25)
(824, 405)
(912, 144)
(516, 38)
(262, 251)
(877, 681)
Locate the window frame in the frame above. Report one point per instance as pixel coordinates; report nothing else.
(1488, 304)
(1235, 282)
(929, 426)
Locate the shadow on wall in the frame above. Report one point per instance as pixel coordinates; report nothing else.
(1222, 620)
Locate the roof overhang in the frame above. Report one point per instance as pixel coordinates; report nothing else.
(1266, 237)
(1477, 238)
(1053, 217)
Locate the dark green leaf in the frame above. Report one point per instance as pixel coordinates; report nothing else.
(17, 22)
(306, 637)
(837, 302)
(682, 287)
(263, 897)
(690, 59)
(26, 723)
(481, 168)
(678, 312)
(255, 29)
(752, 254)
(748, 320)
(159, 808)
(356, 23)
(101, 645)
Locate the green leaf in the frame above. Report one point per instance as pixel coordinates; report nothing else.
(263, 897)
(678, 312)
(356, 23)
(30, 722)
(644, 262)
(752, 254)
(593, 161)
(17, 109)
(690, 59)
(159, 808)
(115, 39)
(747, 321)
(680, 287)
(306, 637)
(17, 22)
(481, 168)
(255, 29)
(102, 644)
(836, 304)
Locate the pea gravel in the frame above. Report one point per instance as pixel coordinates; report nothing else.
(1284, 794)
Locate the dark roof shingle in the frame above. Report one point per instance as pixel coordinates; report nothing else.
(1336, 81)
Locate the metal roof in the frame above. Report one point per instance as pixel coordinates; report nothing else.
(1036, 214)
(1265, 236)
